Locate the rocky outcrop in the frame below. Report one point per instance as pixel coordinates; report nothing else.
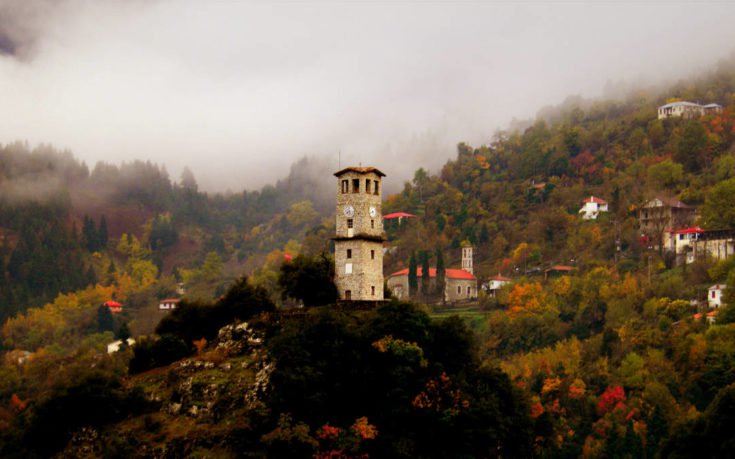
(238, 339)
(234, 375)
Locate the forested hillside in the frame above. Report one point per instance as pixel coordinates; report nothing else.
(612, 355)
(64, 227)
(609, 359)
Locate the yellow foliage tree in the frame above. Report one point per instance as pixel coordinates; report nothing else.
(530, 298)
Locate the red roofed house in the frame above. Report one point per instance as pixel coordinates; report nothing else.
(710, 316)
(114, 306)
(398, 215)
(458, 284)
(168, 304)
(592, 206)
(682, 242)
(693, 243)
(495, 283)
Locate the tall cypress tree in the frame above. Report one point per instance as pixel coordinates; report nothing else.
(441, 273)
(413, 280)
(89, 232)
(105, 320)
(425, 273)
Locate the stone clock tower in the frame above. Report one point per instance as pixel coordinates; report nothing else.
(358, 244)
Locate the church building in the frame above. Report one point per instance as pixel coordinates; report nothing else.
(459, 284)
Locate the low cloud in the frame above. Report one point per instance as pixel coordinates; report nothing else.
(237, 91)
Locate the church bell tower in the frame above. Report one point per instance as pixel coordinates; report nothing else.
(358, 244)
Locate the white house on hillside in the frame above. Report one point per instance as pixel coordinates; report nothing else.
(684, 109)
(591, 207)
(168, 304)
(495, 284)
(115, 345)
(714, 295)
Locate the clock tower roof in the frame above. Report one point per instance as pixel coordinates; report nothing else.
(359, 170)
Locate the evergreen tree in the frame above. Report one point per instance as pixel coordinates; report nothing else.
(105, 320)
(123, 333)
(89, 234)
(425, 273)
(484, 234)
(90, 278)
(102, 233)
(413, 281)
(690, 152)
(441, 273)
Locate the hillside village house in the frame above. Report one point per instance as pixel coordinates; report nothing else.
(659, 215)
(711, 316)
(591, 207)
(114, 306)
(687, 110)
(682, 243)
(694, 243)
(116, 345)
(494, 284)
(168, 304)
(714, 295)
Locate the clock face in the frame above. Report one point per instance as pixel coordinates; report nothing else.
(373, 212)
(349, 211)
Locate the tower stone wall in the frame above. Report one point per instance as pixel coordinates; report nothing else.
(358, 243)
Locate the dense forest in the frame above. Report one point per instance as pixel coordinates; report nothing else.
(608, 360)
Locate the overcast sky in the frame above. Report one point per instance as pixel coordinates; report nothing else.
(237, 90)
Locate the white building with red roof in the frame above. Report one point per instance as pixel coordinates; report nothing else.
(683, 243)
(458, 284)
(591, 208)
(114, 306)
(711, 316)
(495, 283)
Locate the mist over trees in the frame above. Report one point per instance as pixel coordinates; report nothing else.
(55, 213)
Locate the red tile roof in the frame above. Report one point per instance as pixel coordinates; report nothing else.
(501, 278)
(593, 199)
(114, 306)
(450, 274)
(397, 215)
(693, 229)
(709, 314)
